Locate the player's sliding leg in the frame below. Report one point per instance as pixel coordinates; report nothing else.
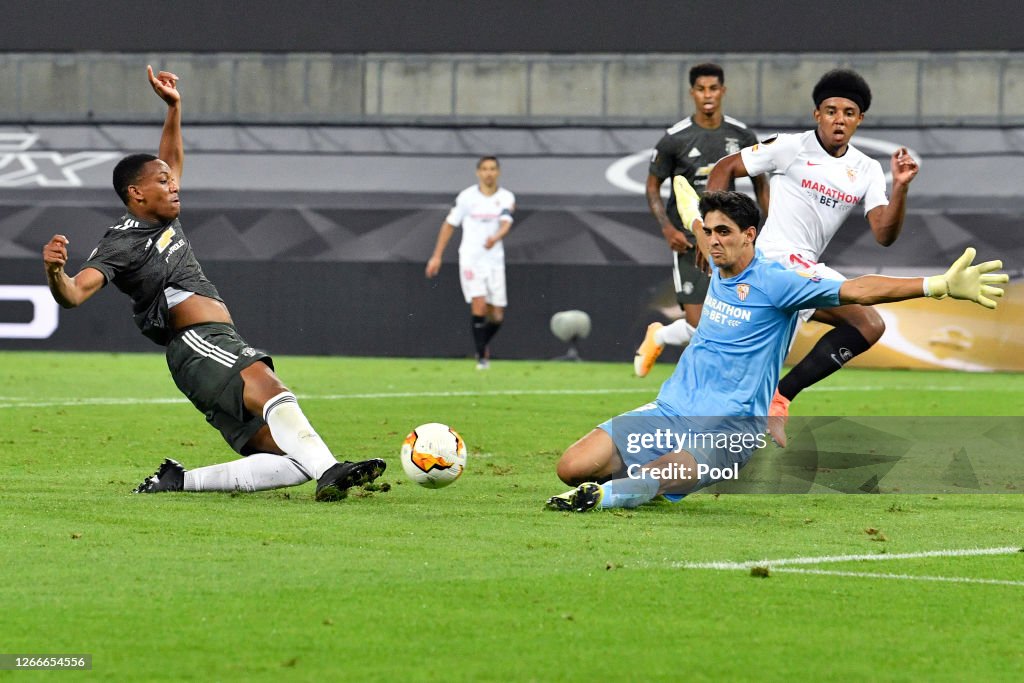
(593, 459)
(257, 472)
(856, 329)
(644, 483)
(583, 498)
(639, 486)
(170, 476)
(296, 438)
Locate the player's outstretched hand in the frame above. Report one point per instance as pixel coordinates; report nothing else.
(904, 167)
(165, 84)
(972, 283)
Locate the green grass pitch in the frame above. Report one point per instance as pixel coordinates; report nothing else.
(477, 581)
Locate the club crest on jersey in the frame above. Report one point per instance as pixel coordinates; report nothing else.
(732, 145)
(742, 290)
(851, 174)
(164, 240)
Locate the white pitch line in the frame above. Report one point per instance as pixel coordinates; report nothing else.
(72, 403)
(904, 577)
(827, 559)
(652, 389)
(68, 403)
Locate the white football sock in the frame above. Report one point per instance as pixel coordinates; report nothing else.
(629, 492)
(678, 333)
(295, 436)
(258, 472)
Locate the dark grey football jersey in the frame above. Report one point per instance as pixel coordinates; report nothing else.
(141, 258)
(688, 150)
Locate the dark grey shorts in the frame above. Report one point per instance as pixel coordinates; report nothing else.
(691, 282)
(206, 361)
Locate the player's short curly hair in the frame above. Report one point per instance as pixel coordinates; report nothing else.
(127, 173)
(845, 83)
(706, 69)
(740, 208)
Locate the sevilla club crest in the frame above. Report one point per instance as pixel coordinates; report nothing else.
(742, 290)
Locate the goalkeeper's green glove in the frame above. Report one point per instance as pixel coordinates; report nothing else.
(687, 201)
(964, 281)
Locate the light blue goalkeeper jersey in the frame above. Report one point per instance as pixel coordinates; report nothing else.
(732, 364)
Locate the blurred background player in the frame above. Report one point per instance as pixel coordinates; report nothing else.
(732, 365)
(689, 149)
(817, 178)
(147, 256)
(485, 213)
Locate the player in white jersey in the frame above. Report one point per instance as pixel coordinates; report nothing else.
(817, 178)
(708, 418)
(484, 211)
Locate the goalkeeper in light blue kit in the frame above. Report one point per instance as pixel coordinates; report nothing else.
(731, 367)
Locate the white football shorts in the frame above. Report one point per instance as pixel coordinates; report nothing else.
(804, 264)
(485, 281)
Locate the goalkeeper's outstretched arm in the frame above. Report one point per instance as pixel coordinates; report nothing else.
(961, 281)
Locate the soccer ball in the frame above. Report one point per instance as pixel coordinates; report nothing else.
(434, 455)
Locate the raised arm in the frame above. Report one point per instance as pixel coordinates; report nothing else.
(172, 149)
(887, 221)
(68, 291)
(961, 281)
(725, 169)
